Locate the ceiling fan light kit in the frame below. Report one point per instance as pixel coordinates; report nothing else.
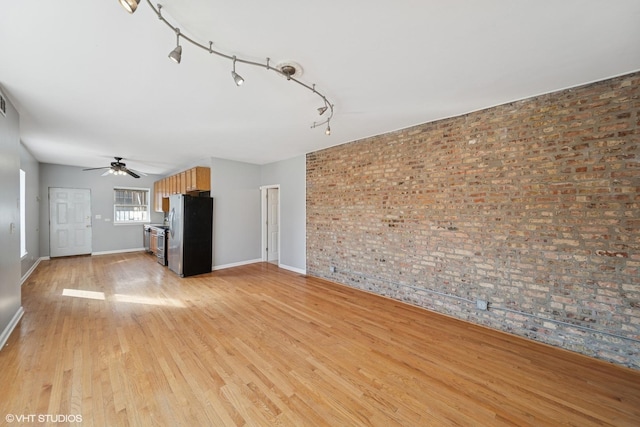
(118, 168)
(291, 71)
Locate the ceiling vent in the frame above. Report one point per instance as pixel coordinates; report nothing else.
(3, 105)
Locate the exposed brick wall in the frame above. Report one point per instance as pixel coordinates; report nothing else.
(533, 206)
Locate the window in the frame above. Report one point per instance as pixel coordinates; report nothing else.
(130, 205)
(23, 214)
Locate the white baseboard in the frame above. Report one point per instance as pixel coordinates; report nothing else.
(294, 269)
(257, 260)
(235, 264)
(10, 327)
(119, 251)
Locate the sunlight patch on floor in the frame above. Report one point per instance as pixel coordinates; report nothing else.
(79, 293)
(138, 299)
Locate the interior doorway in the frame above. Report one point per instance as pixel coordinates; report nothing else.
(69, 221)
(270, 223)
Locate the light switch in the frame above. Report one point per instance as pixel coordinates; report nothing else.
(98, 216)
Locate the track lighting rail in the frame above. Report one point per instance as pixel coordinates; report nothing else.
(131, 5)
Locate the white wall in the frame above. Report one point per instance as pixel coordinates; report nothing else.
(106, 236)
(290, 175)
(30, 165)
(10, 295)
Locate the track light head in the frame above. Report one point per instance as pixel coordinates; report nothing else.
(236, 77)
(176, 54)
(322, 110)
(328, 131)
(130, 5)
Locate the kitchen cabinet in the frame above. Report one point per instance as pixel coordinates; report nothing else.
(187, 180)
(157, 196)
(164, 194)
(172, 184)
(162, 187)
(178, 184)
(182, 181)
(160, 194)
(165, 202)
(196, 179)
(153, 241)
(160, 201)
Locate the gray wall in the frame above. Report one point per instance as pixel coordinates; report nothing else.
(106, 236)
(30, 165)
(10, 296)
(235, 187)
(290, 175)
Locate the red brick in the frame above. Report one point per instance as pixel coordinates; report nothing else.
(533, 205)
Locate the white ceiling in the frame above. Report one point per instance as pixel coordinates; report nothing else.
(91, 81)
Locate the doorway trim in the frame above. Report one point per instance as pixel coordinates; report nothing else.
(263, 221)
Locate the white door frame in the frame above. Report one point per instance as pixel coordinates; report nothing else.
(264, 215)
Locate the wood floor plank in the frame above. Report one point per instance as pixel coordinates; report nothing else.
(258, 345)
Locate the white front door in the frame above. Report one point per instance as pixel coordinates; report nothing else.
(273, 225)
(69, 221)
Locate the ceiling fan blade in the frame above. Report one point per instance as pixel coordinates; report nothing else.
(93, 169)
(133, 174)
(138, 172)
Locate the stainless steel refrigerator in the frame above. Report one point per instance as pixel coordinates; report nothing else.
(190, 234)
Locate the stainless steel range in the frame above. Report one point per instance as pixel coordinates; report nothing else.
(161, 252)
(155, 240)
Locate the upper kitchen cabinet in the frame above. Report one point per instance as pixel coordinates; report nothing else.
(157, 196)
(182, 182)
(197, 179)
(173, 184)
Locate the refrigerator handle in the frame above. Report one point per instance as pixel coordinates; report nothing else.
(171, 220)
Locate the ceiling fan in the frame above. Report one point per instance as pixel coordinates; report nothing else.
(118, 168)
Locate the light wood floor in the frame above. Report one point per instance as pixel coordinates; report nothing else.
(256, 345)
